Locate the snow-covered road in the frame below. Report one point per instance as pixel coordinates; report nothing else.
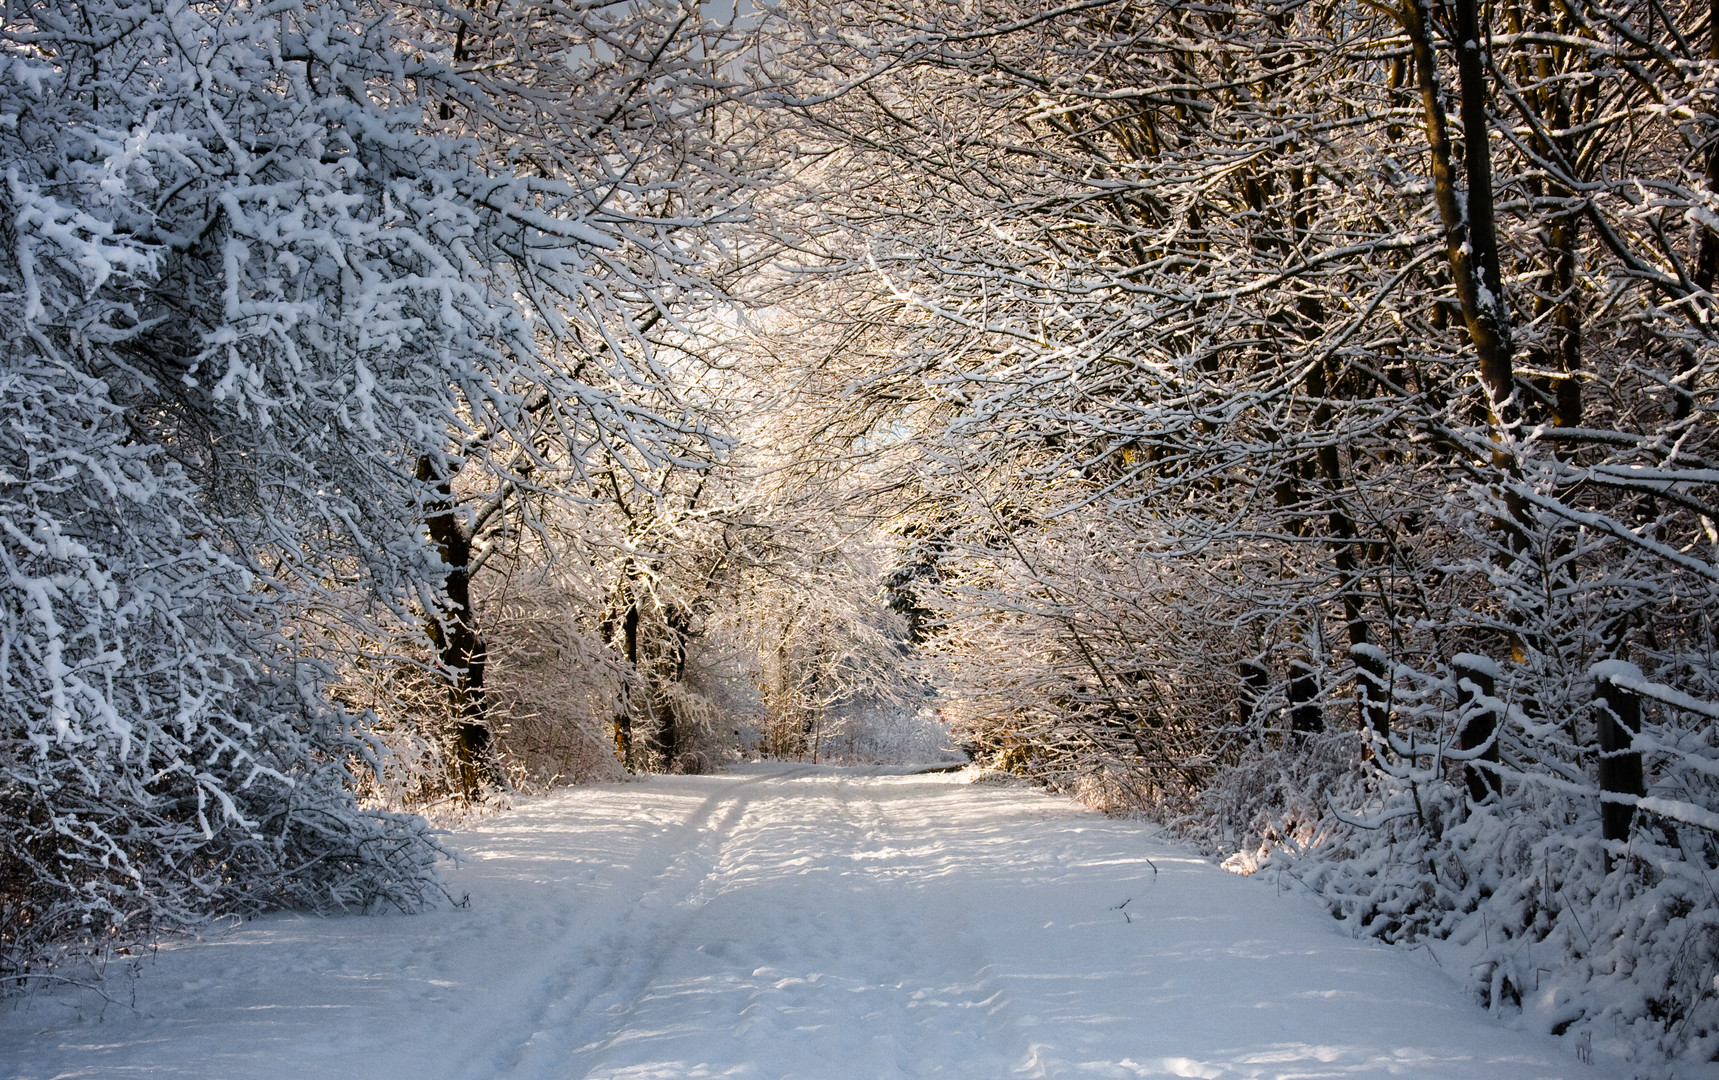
(797, 922)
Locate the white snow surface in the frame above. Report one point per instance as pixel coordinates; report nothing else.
(805, 922)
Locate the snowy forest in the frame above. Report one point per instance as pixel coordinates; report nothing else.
(1292, 421)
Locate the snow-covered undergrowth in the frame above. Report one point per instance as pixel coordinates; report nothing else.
(165, 755)
(871, 733)
(1515, 898)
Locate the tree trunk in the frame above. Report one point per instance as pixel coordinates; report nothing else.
(1707, 248)
(1255, 684)
(1471, 240)
(1344, 544)
(626, 604)
(459, 645)
(668, 736)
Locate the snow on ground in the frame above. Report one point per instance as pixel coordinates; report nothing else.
(797, 922)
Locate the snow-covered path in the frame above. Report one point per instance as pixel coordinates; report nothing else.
(797, 922)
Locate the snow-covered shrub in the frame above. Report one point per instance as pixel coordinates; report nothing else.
(165, 753)
(553, 693)
(167, 748)
(1273, 797)
(888, 733)
(1518, 895)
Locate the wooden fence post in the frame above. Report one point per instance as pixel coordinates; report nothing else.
(1619, 713)
(1373, 688)
(1477, 678)
(1255, 685)
(1305, 712)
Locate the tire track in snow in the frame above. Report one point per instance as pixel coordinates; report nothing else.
(573, 999)
(803, 962)
(826, 972)
(959, 1000)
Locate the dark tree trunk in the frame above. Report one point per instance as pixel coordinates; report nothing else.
(1344, 541)
(459, 645)
(1707, 247)
(1255, 684)
(1280, 205)
(1619, 713)
(1471, 240)
(621, 627)
(668, 736)
(1707, 251)
(1557, 306)
(1306, 715)
(1563, 236)
(1476, 679)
